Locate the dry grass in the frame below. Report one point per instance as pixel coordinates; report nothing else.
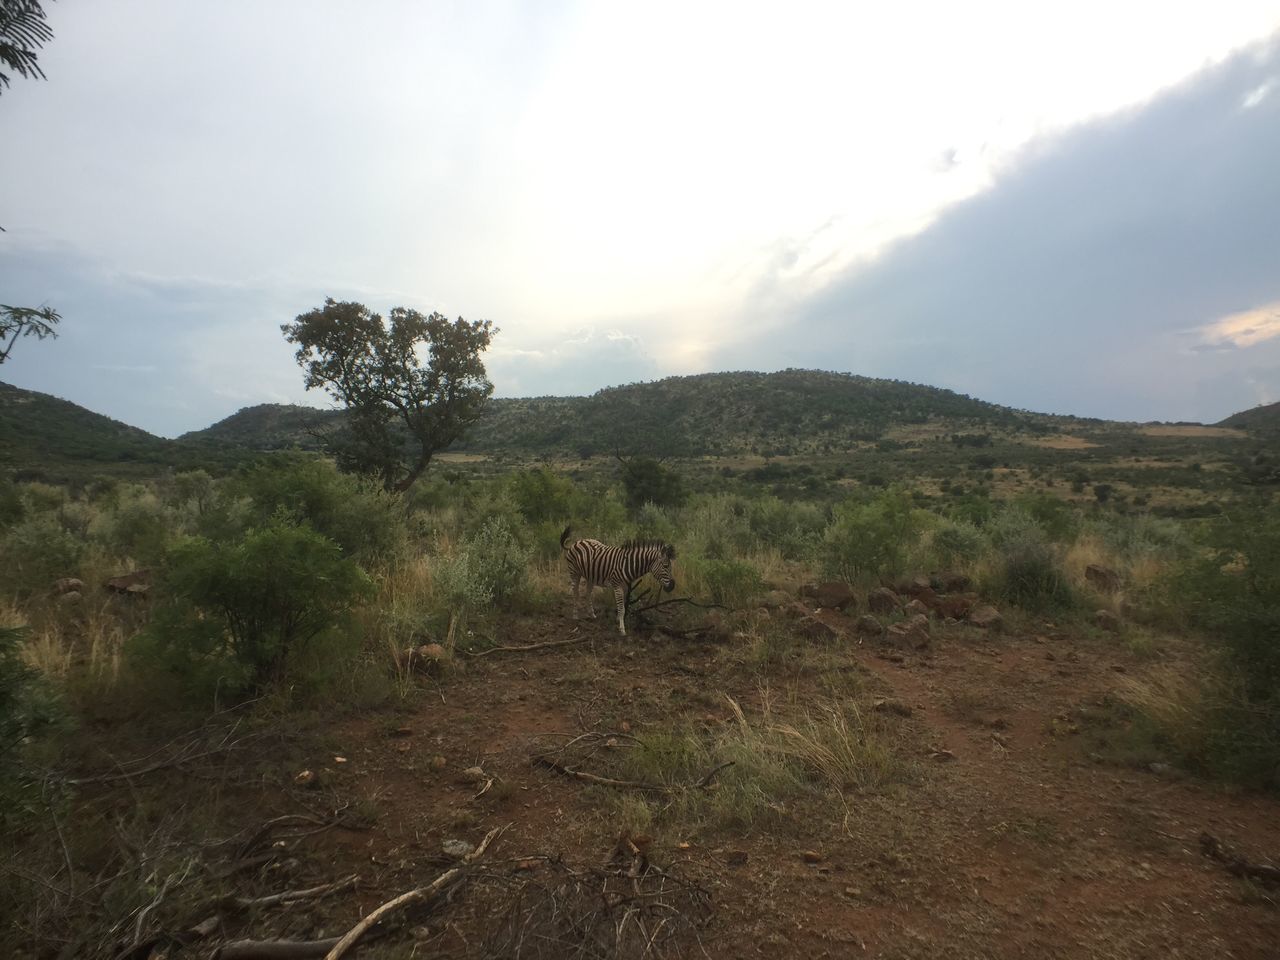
(1175, 700)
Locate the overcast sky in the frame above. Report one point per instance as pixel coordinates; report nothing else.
(1071, 208)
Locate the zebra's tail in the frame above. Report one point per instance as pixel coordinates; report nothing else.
(564, 537)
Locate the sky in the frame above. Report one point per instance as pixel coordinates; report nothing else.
(1062, 207)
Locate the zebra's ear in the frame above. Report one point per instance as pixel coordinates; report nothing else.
(668, 551)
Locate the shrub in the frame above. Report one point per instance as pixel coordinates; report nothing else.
(12, 508)
(28, 710)
(645, 480)
(957, 544)
(252, 603)
(36, 552)
(871, 538)
(491, 568)
(731, 582)
(1028, 572)
(540, 495)
(139, 527)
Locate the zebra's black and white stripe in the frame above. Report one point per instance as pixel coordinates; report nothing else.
(618, 567)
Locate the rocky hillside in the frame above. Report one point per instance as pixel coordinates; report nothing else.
(1261, 419)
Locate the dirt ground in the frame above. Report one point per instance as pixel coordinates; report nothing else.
(1009, 839)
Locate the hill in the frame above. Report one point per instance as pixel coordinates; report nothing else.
(790, 412)
(39, 429)
(1261, 419)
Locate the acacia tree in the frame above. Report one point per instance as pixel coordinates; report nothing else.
(23, 31)
(18, 322)
(401, 412)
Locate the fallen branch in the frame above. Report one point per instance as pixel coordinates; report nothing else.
(529, 646)
(1212, 847)
(440, 883)
(688, 600)
(276, 949)
(585, 777)
(294, 896)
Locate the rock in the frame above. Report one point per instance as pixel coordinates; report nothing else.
(132, 584)
(795, 610)
(913, 632)
(883, 600)
(889, 705)
(987, 617)
(431, 651)
(868, 626)
(68, 585)
(943, 756)
(736, 858)
(70, 598)
(473, 775)
(1160, 769)
(950, 582)
(1107, 620)
(811, 856)
(833, 595)
(775, 599)
(457, 849)
(307, 778)
(852, 892)
(812, 628)
(438, 763)
(956, 607)
(916, 607)
(1104, 578)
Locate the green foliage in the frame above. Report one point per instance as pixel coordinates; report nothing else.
(1028, 572)
(955, 544)
(241, 609)
(1057, 518)
(870, 538)
(29, 710)
(372, 368)
(541, 495)
(12, 509)
(731, 582)
(37, 551)
(139, 527)
(645, 480)
(362, 519)
(492, 568)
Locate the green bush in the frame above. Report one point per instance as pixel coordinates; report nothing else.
(356, 514)
(731, 582)
(139, 527)
(29, 709)
(645, 480)
(1029, 574)
(871, 538)
(239, 610)
(492, 568)
(541, 495)
(36, 552)
(12, 509)
(955, 544)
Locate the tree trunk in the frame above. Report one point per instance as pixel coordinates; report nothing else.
(414, 473)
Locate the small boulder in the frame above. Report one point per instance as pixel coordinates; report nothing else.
(814, 629)
(130, 584)
(950, 582)
(68, 585)
(868, 626)
(883, 600)
(833, 594)
(457, 849)
(916, 607)
(431, 652)
(987, 617)
(955, 607)
(775, 599)
(914, 587)
(1104, 578)
(473, 775)
(890, 705)
(913, 632)
(1107, 620)
(70, 598)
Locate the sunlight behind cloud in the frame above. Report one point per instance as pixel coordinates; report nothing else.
(1244, 329)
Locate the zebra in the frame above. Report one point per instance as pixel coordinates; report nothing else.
(619, 567)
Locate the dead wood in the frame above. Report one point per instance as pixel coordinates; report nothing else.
(421, 894)
(545, 761)
(275, 949)
(294, 896)
(1235, 864)
(524, 648)
(711, 774)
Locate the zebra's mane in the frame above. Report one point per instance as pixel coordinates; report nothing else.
(665, 547)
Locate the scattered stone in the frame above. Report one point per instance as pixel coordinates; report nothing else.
(1119, 668)
(890, 705)
(528, 866)
(956, 607)
(796, 610)
(404, 746)
(474, 775)
(736, 858)
(402, 732)
(943, 756)
(457, 849)
(987, 617)
(916, 607)
(852, 892)
(833, 594)
(950, 582)
(883, 600)
(438, 763)
(868, 626)
(913, 632)
(811, 856)
(70, 598)
(431, 651)
(1104, 578)
(132, 584)
(775, 600)
(814, 629)
(307, 778)
(1106, 620)
(68, 585)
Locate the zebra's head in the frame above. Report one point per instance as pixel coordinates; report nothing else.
(661, 568)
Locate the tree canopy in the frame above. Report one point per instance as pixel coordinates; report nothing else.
(23, 31)
(403, 411)
(18, 322)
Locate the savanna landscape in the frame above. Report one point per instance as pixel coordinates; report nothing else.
(967, 648)
(938, 678)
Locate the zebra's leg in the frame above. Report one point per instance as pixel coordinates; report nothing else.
(576, 580)
(620, 600)
(591, 597)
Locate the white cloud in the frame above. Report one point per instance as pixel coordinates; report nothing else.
(1244, 329)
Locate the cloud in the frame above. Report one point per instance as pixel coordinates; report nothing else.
(578, 363)
(1244, 329)
(1069, 285)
